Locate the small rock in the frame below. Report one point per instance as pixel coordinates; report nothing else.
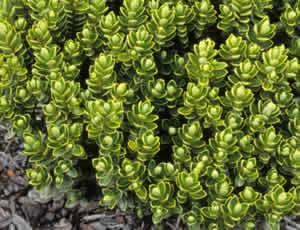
(120, 219)
(129, 219)
(10, 172)
(86, 227)
(32, 208)
(12, 227)
(35, 196)
(3, 214)
(6, 192)
(91, 206)
(64, 212)
(49, 216)
(63, 224)
(22, 199)
(98, 226)
(42, 221)
(21, 160)
(3, 160)
(20, 223)
(10, 188)
(19, 180)
(16, 188)
(99, 210)
(4, 203)
(58, 204)
(51, 209)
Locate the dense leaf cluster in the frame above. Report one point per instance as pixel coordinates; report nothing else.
(170, 106)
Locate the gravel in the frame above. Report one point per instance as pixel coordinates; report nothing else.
(35, 196)
(21, 207)
(49, 216)
(31, 208)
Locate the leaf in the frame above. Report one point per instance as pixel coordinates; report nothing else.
(132, 145)
(185, 111)
(72, 173)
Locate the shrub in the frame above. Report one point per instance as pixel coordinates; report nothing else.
(171, 107)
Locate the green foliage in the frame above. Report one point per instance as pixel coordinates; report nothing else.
(205, 16)
(146, 145)
(39, 177)
(233, 49)
(39, 35)
(97, 8)
(132, 14)
(48, 63)
(179, 107)
(140, 42)
(183, 16)
(202, 65)
(262, 33)
(238, 97)
(109, 24)
(10, 41)
(101, 75)
(89, 40)
(162, 25)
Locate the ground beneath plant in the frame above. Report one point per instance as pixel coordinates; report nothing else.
(22, 209)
